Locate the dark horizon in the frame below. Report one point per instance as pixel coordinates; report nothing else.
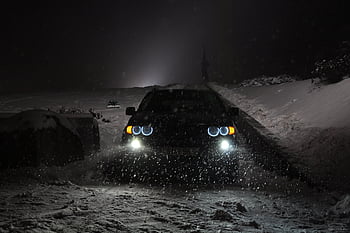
(137, 43)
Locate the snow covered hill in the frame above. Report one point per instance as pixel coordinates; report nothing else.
(312, 121)
(77, 198)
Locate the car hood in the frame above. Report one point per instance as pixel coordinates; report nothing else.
(195, 119)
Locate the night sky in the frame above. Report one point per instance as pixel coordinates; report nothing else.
(94, 44)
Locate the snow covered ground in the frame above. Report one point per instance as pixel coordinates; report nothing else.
(64, 207)
(76, 198)
(311, 120)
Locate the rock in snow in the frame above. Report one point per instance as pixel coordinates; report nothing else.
(222, 215)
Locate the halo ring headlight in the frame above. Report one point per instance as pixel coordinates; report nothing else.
(146, 130)
(224, 131)
(136, 130)
(213, 131)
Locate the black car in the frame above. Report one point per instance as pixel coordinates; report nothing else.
(186, 131)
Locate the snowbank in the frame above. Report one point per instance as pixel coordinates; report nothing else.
(36, 137)
(266, 80)
(311, 121)
(35, 120)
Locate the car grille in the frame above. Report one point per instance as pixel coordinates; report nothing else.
(180, 136)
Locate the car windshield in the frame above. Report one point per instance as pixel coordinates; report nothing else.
(182, 101)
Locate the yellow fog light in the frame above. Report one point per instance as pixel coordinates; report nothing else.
(135, 144)
(224, 145)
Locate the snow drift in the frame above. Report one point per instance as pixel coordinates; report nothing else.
(35, 137)
(265, 81)
(311, 121)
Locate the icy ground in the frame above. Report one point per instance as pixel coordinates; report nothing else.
(76, 198)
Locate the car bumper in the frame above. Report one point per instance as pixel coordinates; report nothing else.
(220, 145)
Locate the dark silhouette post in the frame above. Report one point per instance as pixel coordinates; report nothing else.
(204, 67)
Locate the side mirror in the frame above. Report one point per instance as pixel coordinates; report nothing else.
(234, 111)
(130, 111)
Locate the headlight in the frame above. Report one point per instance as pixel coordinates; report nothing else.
(231, 130)
(213, 131)
(224, 145)
(136, 130)
(224, 131)
(147, 130)
(128, 129)
(135, 144)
